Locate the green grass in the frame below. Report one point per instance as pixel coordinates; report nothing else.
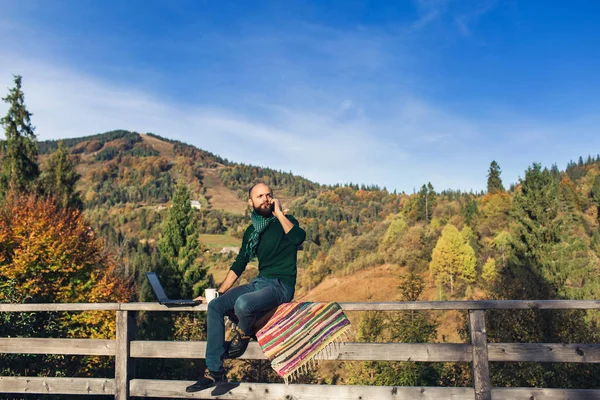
(218, 241)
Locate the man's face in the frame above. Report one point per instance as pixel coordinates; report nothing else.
(260, 200)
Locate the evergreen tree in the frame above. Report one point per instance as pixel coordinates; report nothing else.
(180, 248)
(59, 177)
(548, 261)
(183, 275)
(536, 213)
(595, 193)
(426, 202)
(431, 199)
(555, 172)
(19, 163)
(494, 183)
(469, 210)
(569, 201)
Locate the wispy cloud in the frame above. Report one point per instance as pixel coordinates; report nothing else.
(429, 11)
(415, 142)
(465, 20)
(317, 145)
(321, 144)
(464, 14)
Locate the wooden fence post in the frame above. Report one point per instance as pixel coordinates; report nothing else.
(481, 367)
(124, 364)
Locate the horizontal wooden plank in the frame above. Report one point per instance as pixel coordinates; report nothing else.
(41, 385)
(474, 305)
(159, 307)
(347, 306)
(430, 352)
(59, 307)
(544, 352)
(544, 394)
(87, 347)
(416, 305)
(263, 391)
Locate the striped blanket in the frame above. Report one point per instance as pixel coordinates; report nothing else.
(298, 334)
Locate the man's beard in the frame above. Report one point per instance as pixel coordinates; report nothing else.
(263, 211)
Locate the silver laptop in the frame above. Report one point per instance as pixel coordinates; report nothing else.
(162, 296)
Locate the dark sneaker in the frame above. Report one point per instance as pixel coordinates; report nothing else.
(238, 345)
(210, 379)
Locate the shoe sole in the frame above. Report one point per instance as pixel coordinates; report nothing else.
(194, 390)
(187, 390)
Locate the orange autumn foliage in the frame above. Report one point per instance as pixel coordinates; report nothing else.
(48, 254)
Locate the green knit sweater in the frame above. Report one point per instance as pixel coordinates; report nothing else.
(276, 252)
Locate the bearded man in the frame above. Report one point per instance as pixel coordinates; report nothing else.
(274, 238)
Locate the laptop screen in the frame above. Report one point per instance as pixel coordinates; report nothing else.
(156, 286)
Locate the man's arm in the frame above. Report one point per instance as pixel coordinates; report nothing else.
(238, 266)
(228, 282)
(286, 224)
(290, 226)
(225, 286)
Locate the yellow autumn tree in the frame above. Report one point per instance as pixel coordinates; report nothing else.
(453, 259)
(489, 272)
(50, 254)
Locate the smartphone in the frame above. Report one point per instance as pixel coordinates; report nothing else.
(272, 207)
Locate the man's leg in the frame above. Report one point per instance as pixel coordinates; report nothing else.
(217, 308)
(215, 343)
(251, 306)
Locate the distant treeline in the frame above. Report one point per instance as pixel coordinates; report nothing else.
(205, 158)
(240, 177)
(48, 146)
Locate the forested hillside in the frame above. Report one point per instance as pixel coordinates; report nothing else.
(127, 203)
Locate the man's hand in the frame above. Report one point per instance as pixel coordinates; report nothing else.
(277, 210)
(201, 299)
(286, 224)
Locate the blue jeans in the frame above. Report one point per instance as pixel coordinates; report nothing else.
(249, 302)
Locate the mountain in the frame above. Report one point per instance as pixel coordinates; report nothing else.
(128, 179)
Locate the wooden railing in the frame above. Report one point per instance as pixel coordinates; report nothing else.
(126, 349)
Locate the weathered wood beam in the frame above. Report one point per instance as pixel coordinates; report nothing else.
(418, 305)
(348, 306)
(42, 385)
(481, 368)
(544, 394)
(474, 305)
(262, 391)
(59, 307)
(124, 363)
(544, 352)
(430, 352)
(84, 347)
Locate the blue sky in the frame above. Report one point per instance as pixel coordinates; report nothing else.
(393, 93)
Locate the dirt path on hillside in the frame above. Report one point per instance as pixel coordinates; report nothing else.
(220, 196)
(165, 149)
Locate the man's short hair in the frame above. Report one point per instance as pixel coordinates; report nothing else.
(253, 186)
(250, 190)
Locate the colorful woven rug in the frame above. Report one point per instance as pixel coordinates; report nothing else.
(299, 333)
